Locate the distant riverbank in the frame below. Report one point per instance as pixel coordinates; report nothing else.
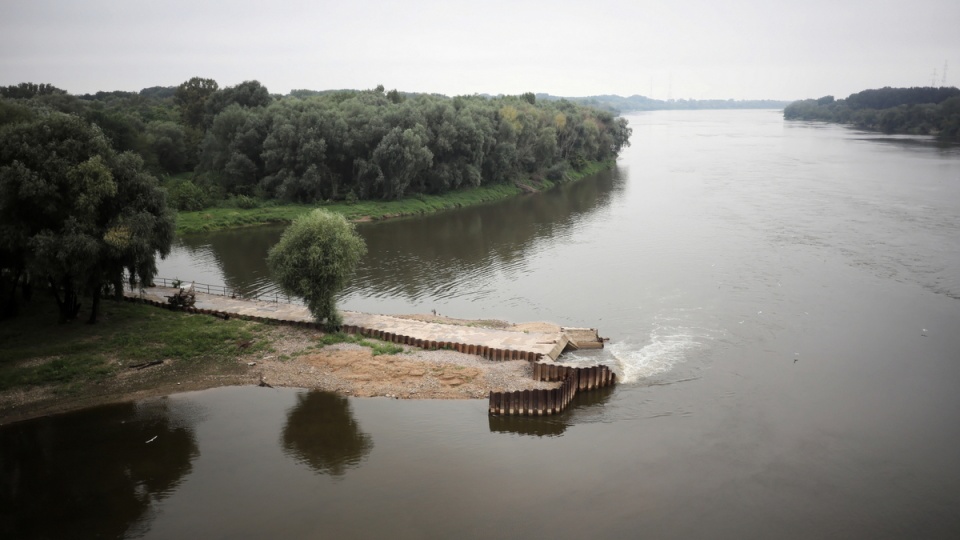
(911, 111)
(212, 219)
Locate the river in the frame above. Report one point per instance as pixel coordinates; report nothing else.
(783, 306)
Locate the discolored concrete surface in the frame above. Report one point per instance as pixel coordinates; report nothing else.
(547, 344)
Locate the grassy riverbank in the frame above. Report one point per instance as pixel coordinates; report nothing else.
(212, 219)
(64, 366)
(49, 366)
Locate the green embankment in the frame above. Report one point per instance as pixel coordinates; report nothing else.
(212, 219)
(83, 361)
(69, 358)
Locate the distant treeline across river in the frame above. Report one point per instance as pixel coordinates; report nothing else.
(915, 111)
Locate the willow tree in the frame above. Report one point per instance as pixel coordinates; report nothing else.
(75, 214)
(314, 258)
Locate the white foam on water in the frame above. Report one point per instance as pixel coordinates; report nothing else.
(668, 346)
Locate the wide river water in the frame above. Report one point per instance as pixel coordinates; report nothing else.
(783, 306)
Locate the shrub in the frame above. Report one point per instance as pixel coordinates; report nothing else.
(185, 195)
(243, 201)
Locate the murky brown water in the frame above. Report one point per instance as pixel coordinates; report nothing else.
(783, 300)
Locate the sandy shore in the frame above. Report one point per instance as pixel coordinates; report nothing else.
(415, 373)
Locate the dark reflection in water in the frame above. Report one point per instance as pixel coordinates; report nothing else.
(913, 142)
(411, 259)
(585, 402)
(584, 405)
(430, 256)
(239, 254)
(322, 433)
(537, 426)
(91, 474)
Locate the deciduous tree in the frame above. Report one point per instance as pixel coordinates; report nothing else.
(74, 213)
(314, 258)
(192, 97)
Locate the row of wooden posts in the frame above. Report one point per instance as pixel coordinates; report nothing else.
(554, 401)
(519, 403)
(490, 353)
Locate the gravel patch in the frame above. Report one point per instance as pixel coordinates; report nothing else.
(352, 369)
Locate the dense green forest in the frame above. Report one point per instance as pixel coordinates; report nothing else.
(635, 103)
(243, 144)
(917, 111)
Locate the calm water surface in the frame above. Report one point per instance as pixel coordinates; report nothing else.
(783, 300)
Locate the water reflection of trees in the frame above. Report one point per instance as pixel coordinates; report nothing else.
(240, 254)
(420, 256)
(414, 257)
(91, 474)
(322, 433)
(583, 405)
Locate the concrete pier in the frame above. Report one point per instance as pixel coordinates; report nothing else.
(488, 342)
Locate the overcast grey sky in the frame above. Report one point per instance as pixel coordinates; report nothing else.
(700, 49)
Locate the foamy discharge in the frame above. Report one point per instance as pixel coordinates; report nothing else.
(668, 347)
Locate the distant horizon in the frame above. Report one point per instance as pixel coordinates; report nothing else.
(573, 97)
(300, 88)
(4, 81)
(538, 93)
(685, 50)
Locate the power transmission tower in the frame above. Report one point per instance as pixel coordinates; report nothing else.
(943, 80)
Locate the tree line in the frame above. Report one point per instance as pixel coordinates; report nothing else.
(245, 144)
(75, 215)
(917, 111)
(82, 209)
(619, 104)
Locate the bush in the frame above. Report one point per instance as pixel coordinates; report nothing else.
(243, 201)
(187, 196)
(556, 171)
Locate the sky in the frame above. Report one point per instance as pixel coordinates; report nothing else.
(678, 49)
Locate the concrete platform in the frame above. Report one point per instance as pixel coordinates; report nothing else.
(583, 338)
(544, 345)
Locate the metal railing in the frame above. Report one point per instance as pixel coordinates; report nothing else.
(223, 290)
